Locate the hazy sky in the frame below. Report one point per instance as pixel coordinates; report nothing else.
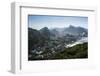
(40, 21)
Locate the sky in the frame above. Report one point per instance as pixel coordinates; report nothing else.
(40, 21)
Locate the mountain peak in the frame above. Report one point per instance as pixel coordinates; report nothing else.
(45, 28)
(71, 26)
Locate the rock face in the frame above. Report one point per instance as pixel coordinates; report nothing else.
(45, 32)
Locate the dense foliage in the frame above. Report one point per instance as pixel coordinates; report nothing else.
(78, 51)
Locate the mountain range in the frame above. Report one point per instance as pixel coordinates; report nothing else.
(71, 30)
(57, 43)
(38, 37)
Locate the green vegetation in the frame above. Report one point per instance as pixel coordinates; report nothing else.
(75, 52)
(78, 51)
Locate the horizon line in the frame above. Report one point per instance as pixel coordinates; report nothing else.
(59, 27)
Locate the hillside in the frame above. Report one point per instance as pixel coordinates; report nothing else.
(57, 43)
(77, 51)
